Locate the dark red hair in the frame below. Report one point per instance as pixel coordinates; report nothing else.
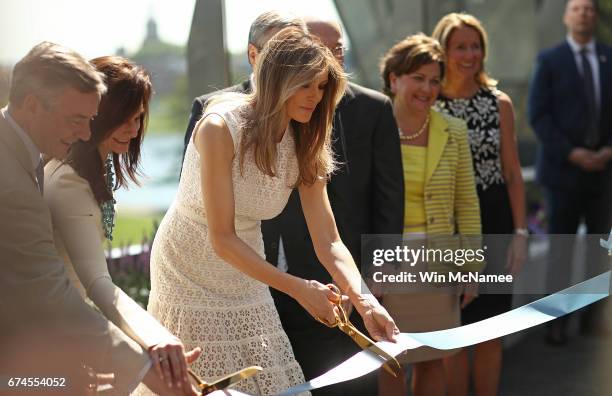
(129, 88)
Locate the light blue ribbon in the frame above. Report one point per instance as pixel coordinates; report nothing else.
(530, 315)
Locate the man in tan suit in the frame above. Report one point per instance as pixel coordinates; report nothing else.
(46, 328)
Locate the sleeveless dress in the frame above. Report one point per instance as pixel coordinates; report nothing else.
(481, 113)
(204, 300)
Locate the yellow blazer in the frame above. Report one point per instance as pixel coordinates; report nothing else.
(451, 201)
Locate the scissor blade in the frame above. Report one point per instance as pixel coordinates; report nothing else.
(231, 379)
(391, 364)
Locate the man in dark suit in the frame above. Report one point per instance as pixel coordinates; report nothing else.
(570, 99)
(262, 29)
(367, 197)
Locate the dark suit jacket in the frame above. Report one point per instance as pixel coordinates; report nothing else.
(557, 112)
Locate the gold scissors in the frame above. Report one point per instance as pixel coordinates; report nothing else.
(224, 382)
(391, 364)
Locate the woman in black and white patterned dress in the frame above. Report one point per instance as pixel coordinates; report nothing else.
(470, 94)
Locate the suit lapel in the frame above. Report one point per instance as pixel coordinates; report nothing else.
(16, 146)
(340, 182)
(438, 135)
(604, 75)
(339, 140)
(569, 58)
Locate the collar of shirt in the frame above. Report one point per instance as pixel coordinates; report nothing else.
(25, 138)
(576, 48)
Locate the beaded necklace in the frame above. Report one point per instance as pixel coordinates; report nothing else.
(108, 207)
(414, 135)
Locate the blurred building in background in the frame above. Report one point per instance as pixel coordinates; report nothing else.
(167, 64)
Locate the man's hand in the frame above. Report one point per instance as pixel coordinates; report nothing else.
(604, 155)
(588, 160)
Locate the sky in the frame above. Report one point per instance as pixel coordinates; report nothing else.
(95, 28)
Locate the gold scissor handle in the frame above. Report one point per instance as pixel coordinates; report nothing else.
(339, 313)
(206, 388)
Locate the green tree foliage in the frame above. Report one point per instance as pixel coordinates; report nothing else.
(604, 26)
(170, 112)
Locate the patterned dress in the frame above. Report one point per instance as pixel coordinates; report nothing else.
(481, 113)
(204, 300)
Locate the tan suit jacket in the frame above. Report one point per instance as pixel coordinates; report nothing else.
(45, 325)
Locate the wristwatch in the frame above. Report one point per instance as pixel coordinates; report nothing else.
(521, 231)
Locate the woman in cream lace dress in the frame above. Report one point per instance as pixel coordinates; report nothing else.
(208, 274)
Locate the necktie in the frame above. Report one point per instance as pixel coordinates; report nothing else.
(591, 133)
(40, 176)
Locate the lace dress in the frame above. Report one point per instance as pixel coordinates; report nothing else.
(204, 300)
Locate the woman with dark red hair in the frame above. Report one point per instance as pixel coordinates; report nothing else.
(79, 192)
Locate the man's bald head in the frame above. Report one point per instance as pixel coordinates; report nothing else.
(329, 32)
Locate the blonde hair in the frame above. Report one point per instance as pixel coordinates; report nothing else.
(408, 56)
(454, 20)
(289, 60)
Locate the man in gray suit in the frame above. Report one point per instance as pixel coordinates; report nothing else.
(46, 328)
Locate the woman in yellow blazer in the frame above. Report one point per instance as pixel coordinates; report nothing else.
(440, 195)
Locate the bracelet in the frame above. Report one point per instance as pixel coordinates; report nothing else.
(521, 231)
